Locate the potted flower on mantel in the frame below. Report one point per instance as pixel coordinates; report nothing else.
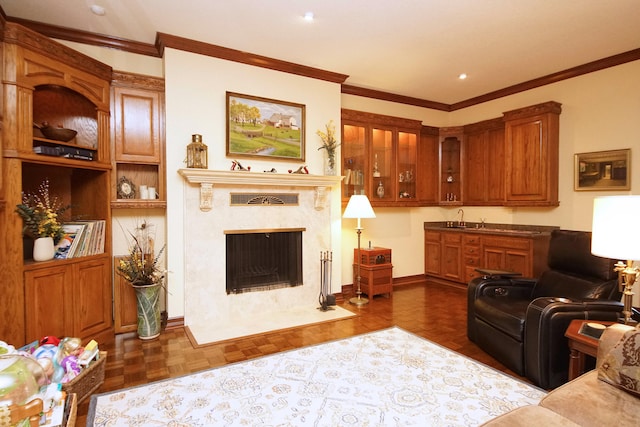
(42, 216)
(330, 144)
(141, 269)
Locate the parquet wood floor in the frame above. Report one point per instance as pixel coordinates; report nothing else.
(434, 311)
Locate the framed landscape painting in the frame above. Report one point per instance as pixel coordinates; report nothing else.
(603, 170)
(262, 127)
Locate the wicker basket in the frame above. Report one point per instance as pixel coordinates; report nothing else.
(73, 410)
(89, 379)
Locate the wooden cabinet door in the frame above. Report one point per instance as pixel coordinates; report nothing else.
(452, 261)
(427, 166)
(483, 163)
(125, 306)
(48, 302)
(508, 253)
(432, 253)
(92, 298)
(137, 125)
(531, 155)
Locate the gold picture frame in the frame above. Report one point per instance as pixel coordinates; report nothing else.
(603, 170)
(264, 128)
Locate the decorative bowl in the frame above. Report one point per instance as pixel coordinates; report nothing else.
(58, 134)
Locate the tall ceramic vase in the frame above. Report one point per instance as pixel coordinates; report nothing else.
(43, 249)
(148, 298)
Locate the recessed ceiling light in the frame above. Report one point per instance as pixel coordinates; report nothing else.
(462, 76)
(98, 10)
(308, 16)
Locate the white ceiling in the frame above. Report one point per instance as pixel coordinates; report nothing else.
(415, 48)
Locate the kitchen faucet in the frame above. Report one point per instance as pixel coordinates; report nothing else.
(461, 220)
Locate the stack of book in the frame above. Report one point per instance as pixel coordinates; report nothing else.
(81, 238)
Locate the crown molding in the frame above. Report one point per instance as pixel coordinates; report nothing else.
(166, 40)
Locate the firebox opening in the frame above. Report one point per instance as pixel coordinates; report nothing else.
(263, 260)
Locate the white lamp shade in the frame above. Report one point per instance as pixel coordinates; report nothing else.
(615, 228)
(359, 207)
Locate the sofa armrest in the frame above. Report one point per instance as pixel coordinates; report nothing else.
(481, 285)
(546, 322)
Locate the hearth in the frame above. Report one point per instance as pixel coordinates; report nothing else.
(259, 260)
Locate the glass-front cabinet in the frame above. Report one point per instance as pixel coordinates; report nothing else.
(379, 158)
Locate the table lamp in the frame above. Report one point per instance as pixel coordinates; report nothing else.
(616, 235)
(358, 207)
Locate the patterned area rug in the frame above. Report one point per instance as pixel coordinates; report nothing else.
(385, 378)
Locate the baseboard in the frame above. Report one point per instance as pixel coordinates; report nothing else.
(175, 322)
(416, 279)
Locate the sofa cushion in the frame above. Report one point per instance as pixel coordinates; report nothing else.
(587, 401)
(621, 365)
(526, 416)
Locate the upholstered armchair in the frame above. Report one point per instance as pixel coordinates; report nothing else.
(521, 321)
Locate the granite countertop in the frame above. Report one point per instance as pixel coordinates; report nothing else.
(490, 228)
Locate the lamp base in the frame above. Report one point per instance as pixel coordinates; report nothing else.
(358, 301)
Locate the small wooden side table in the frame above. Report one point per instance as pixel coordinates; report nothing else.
(580, 345)
(375, 271)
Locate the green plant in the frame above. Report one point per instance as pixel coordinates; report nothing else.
(42, 214)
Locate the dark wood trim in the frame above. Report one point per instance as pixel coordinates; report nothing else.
(127, 79)
(416, 279)
(387, 96)
(85, 37)
(175, 322)
(601, 64)
(166, 40)
(363, 116)
(202, 48)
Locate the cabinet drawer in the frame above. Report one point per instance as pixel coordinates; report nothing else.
(507, 242)
(452, 237)
(432, 236)
(471, 239)
(473, 261)
(472, 250)
(471, 273)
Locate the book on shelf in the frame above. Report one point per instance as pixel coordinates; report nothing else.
(69, 242)
(86, 237)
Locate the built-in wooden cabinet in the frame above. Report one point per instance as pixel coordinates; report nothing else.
(531, 155)
(483, 163)
(380, 158)
(451, 173)
(456, 254)
(46, 81)
(138, 139)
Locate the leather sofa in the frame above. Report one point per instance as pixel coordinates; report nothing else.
(593, 399)
(521, 321)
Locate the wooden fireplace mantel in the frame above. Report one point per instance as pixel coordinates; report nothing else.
(207, 178)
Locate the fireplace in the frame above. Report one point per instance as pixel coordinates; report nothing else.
(212, 211)
(259, 260)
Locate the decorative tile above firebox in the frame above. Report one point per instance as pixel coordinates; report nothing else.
(247, 199)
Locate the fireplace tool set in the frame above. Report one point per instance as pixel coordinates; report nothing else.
(325, 299)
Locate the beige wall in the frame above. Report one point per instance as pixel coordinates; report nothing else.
(600, 112)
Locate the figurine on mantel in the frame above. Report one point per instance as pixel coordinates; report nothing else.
(301, 169)
(235, 165)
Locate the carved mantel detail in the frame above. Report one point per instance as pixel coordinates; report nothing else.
(208, 178)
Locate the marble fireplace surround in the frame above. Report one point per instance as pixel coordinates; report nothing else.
(208, 213)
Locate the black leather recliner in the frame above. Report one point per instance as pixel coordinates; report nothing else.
(521, 321)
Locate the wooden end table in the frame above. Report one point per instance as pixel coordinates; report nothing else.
(581, 345)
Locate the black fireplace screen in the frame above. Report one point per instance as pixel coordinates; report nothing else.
(263, 260)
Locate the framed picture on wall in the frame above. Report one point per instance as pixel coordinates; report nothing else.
(603, 170)
(262, 127)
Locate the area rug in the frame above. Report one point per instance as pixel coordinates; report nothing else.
(203, 334)
(385, 378)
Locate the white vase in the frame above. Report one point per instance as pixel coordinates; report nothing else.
(43, 249)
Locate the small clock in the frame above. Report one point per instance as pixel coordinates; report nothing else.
(126, 189)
